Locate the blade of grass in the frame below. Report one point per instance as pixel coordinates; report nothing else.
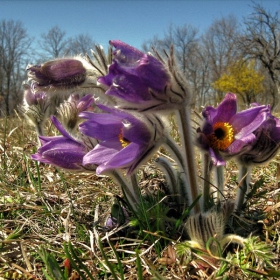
(117, 257)
(106, 260)
(77, 259)
(73, 262)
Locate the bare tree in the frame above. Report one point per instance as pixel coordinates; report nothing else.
(198, 66)
(188, 54)
(14, 46)
(154, 43)
(183, 38)
(80, 44)
(261, 41)
(185, 41)
(220, 46)
(54, 43)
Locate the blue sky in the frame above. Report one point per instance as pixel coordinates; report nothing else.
(131, 21)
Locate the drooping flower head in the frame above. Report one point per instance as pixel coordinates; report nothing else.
(62, 73)
(124, 140)
(225, 132)
(266, 144)
(141, 81)
(62, 151)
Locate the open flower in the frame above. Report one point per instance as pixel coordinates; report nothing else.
(62, 151)
(266, 144)
(125, 141)
(225, 132)
(141, 81)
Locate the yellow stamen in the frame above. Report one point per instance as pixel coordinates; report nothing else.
(123, 141)
(222, 137)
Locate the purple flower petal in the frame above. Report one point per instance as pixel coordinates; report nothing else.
(62, 151)
(102, 152)
(216, 158)
(153, 73)
(130, 88)
(248, 120)
(227, 109)
(101, 126)
(125, 54)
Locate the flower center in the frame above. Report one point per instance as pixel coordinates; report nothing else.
(123, 140)
(222, 137)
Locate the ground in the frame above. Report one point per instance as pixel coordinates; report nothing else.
(53, 223)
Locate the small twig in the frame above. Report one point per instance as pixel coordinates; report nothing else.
(24, 255)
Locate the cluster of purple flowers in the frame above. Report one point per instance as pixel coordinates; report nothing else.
(122, 139)
(123, 127)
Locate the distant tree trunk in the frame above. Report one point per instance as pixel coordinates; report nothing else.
(14, 45)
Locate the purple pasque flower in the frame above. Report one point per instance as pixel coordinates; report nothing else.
(31, 98)
(69, 110)
(35, 108)
(62, 151)
(266, 144)
(125, 140)
(81, 103)
(60, 75)
(63, 72)
(141, 81)
(225, 132)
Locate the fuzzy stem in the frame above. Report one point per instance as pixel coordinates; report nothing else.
(171, 178)
(177, 155)
(175, 151)
(219, 181)
(134, 185)
(206, 171)
(243, 179)
(39, 129)
(129, 193)
(189, 162)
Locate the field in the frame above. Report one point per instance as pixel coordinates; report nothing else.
(53, 223)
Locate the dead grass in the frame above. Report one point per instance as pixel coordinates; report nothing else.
(45, 213)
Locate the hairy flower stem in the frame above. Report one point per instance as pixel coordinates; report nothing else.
(39, 132)
(129, 193)
(243, 179)
(206, 171)
(219, 181)
(188, 162)
(177, 155)
(135, 186)
(172, 179)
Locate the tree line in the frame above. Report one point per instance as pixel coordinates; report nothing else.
(230, 56)
(17, 51)
(241, 57)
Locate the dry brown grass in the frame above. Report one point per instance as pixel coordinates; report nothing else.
(42, 209)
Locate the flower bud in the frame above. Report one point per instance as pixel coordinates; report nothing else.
(68, 111)
(65, 72)
(35, 108)
(142, 82)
